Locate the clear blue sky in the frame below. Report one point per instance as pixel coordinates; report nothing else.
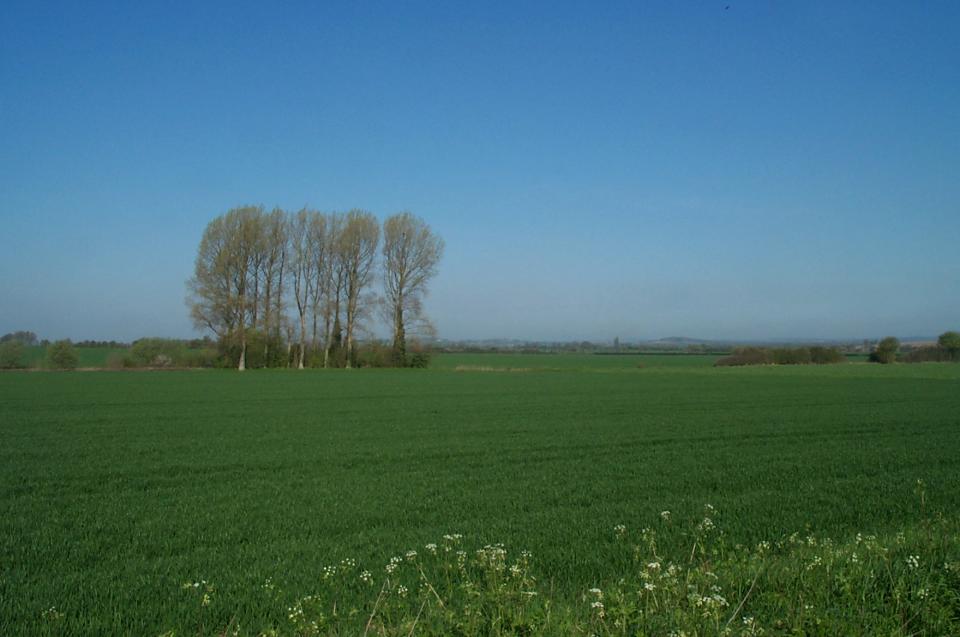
(639, 170)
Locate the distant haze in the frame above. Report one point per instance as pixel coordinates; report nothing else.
(634, 170)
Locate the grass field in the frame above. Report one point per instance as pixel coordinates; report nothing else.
(115, 487)
(568, 362)
(35, 355)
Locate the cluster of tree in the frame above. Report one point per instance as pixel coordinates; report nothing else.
(947, 349)
(886, 350)
(166, 352)
(22, 337)
(815, 355)
(59, 354)
(92, 343)
(12, 355)
(13, 348)
(253, 266)
(62, 355)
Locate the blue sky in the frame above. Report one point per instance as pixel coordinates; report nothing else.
(597, 169)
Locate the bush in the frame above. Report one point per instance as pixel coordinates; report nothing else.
(22, 337)
(746, 356)
(11, 355)
(419, 360)
(62, 355)
(156, 352)
(949, 342)
(826, 356)
(782, 356)
(119, 361)
(169, 352)
(928, 354)
(791, 356)
(886, 351)
(374, 354)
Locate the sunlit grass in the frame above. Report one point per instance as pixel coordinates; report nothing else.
(116, 488)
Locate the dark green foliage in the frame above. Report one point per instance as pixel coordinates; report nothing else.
(950, 343)
(62, 355)
(929, 354)
(159, 353)
(826, 356)
(101, 344)
(419, 360)
(747, 356)
(946, 350)
(156, 352)
(374, 354)
(886, 351)
(118, 487)
(22, 337)
(782, 356)
(791, 356)
(12, 355)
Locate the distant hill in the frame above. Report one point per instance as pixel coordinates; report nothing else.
(681, 340)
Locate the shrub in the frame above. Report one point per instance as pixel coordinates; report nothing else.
(826, 356)
(11, 355)
(791, 356)
(949, 342)
(782, 356)
(23, 337)
(928, 354)
(156, 352)
(886, 351)
(119, 361)
(746, 356)
(374, 354)
(62, 355)
(200, 357)
(419, 360)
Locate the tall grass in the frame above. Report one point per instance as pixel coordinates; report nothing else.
(801, 584)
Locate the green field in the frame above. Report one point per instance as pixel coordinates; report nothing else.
(568, 362)
(36, 355)
(117, 487)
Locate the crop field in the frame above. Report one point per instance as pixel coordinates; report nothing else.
(568, 362)
(116, 488)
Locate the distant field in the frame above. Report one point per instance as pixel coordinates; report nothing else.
(570, 361)
(115, 487)
(35, 356)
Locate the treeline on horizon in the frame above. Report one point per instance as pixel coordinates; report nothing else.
(887, 350)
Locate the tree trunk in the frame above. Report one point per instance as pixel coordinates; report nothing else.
(243, 353)
(266, 319)
(303, 338)
(399, 336)
(351, 314)
(279, 312)
(327, 337)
